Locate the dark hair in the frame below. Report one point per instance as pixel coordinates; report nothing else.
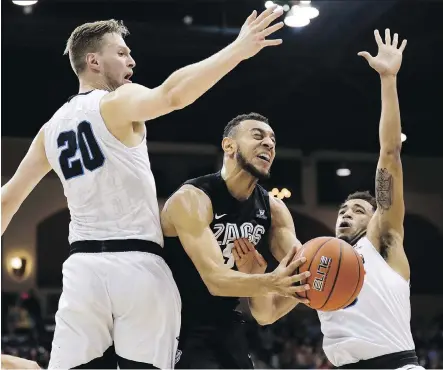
(363, 195)
(233, 123)
(87, 39)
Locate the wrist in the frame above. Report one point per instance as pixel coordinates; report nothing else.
(234, 51)
(388, 78)
(268, 283)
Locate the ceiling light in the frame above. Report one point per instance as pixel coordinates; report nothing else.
(403, 137)
(16, 263)
(268, 4)
(306, 11)
(343, 172)
(24, 2)
(286, 7)
(295, 20)
(305, 1)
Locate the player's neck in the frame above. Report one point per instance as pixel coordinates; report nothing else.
(88, 84)
(240, 183)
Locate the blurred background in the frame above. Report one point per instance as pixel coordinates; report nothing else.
(323, 102)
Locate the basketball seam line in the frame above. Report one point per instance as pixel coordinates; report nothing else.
(312, 260)
(335, 279)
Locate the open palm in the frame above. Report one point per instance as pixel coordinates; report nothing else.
(389, 57)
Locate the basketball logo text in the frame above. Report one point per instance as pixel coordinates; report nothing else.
(322, 273)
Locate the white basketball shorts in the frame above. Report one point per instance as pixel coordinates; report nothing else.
(126, 298)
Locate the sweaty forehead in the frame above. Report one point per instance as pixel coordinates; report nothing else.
(249, 125)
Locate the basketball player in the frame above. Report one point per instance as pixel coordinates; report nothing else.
(374, 332)
(117, 289)
(202, 221)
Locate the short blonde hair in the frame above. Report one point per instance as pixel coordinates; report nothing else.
(87, 39)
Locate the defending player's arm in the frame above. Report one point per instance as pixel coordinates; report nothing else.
(266, 310)
(385, 230)
(13, 362)
(189, 213)
(31, 170)
(135, 103)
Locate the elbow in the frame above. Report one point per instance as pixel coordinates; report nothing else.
(264, 318)
(391, 150)
(263, 321)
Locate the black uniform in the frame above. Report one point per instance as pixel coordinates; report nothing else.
(213, 332)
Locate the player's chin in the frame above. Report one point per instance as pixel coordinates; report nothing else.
(345, 236)
(264, 173)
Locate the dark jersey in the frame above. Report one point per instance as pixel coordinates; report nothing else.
(232, 219)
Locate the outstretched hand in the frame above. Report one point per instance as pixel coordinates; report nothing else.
(252, 36)
(389, 57)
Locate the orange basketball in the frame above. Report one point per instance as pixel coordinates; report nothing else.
(337, 273)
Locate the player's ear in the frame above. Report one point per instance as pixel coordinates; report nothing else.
(92, 61)
(229, 146)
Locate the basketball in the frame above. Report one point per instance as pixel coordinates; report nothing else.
(337, 273)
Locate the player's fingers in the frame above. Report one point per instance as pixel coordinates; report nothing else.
(299, 289)
(270, 30)
(249, 245)
(289, 256)
(243, 246)
(403, 45)
(387, 36)
(238, 249)
(261, 261)
(304, 300)
(365, 55)
(296, 264)
(251, 17)
(264, 14)
(269, 19)
(395, 40)
(378, 38)
(299, 277)
(275, 42)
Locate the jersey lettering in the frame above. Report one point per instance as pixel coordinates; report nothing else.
(90, 152)
(226, 235)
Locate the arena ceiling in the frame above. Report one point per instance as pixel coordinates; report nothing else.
(316, 91)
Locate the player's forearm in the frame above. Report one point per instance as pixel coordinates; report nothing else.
(9, 208)
(229, 283)
(390, 123)
(268, 309)
(187, 84)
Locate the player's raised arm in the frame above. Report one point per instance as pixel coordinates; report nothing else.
(189, 212)
(132, 102)
(386, 227)
(31, 170)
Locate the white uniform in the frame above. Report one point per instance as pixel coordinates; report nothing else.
(379, 321)
(126, 298)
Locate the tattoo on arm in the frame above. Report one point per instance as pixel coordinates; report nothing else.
(383, 189)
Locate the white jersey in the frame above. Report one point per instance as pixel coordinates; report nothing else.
(109, 187)
(378, 323)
